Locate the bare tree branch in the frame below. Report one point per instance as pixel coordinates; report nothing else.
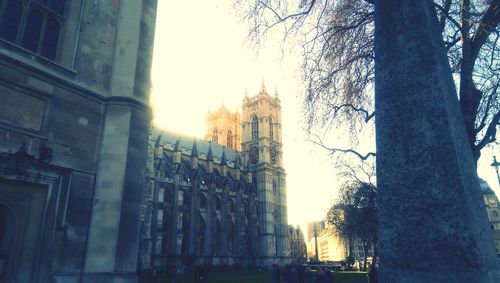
(368, 116)
(487, 25)
(332, 151)
(491, 132)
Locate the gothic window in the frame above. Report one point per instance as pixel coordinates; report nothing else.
(229, 139)
(276, 239)
(180, 200)
(231, 206)
(187, 199)
(218, 203)
(255, 128)
(201, 236)
(159, 218)
(230, 239)
(161, 194)
(216, 238)
(215, 138)
(271, 129)
(33, 24)
(179, 221)
(203, 201)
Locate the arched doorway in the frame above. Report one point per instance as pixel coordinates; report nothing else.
(7, 237)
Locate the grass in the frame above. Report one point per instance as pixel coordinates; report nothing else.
(253, 276)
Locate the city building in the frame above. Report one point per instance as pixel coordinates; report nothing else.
(493, 210)
(206, 203)
(297, 245)
(324, 240)
(74, 89)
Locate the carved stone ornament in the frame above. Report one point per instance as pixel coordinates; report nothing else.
(272, 153)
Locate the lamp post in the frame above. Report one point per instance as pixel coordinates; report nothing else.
(495, 164)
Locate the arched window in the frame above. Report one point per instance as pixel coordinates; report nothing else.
(215, 138)
(271, 129)
(203, 201)
(230, 239)
(229, 139)
(201, 236)
(35, 25)
(255, 128)
(218, 203)
(276, 241)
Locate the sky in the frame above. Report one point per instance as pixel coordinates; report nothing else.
(203, 60)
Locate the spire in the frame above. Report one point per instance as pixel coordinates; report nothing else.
(276, 91)
(223, 160)
(194, 149)
(262, 88)
(209, 153)
(176, 146)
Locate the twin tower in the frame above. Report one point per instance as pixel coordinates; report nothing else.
(257, 135)
(220, 200)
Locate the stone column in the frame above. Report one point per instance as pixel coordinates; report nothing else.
(432, 220)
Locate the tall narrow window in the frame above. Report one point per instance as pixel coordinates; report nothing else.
(215, 138)
(33, 24)
(271, 128)
(255, 128)
(229, 139)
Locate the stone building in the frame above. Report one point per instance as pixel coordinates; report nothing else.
(493, 210)
(297, 245)
(206, 203)
(224, 127)
(74, 90)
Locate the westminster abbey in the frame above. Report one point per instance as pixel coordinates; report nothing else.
(222, 200)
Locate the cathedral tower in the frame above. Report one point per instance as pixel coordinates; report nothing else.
(224, 128)
(262, 147)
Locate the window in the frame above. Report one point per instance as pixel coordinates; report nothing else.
(215, 138)
(255, 128)
(229, 139)
(33, 24)
(271, 130)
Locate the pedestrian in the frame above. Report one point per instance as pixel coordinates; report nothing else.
(276, 273)
(197, 274)
(309, 276)
(320, 274)
(173, 274)
(372, 275)
(327, 278)
(301, 273)
(204, 274)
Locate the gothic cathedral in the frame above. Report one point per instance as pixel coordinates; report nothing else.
(221, 200)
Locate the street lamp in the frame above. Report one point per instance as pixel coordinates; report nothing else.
(496, 164)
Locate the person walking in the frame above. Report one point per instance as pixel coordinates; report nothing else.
(309, 276)
(172, 274)
(320, 275)
(276, 274)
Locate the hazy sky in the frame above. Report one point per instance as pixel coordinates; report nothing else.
(202, 60)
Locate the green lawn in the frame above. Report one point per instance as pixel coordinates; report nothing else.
(252, 276)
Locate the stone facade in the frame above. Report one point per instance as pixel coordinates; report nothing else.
(297, 245)
(209, 204)
(74, 87)
(493, 210)
(224, 128)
